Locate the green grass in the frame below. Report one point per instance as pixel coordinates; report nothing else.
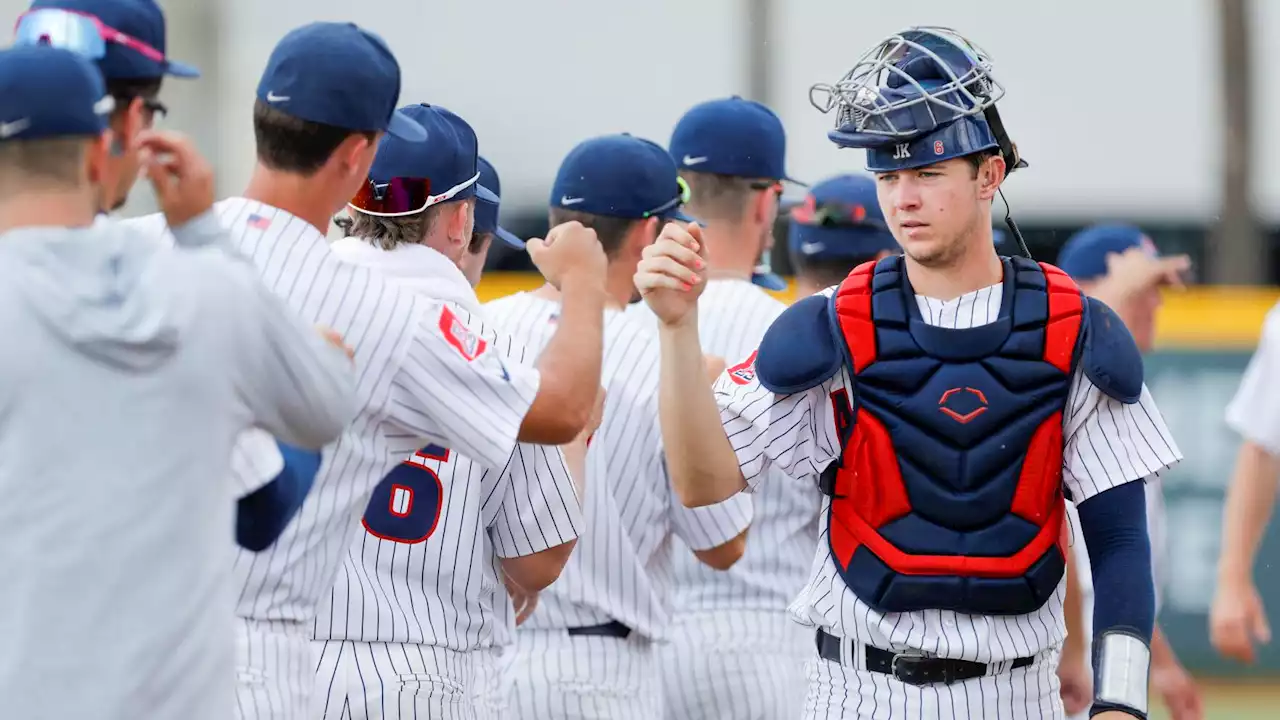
(1235, 700)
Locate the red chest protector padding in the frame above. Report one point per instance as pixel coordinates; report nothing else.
(948, 493)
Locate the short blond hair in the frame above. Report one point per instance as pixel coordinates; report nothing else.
(718, 197)
(56, 163)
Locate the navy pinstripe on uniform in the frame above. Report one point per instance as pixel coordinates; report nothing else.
(621, 568)
(1107, 444)
(423, 379)
(734, 652)
(438, 602)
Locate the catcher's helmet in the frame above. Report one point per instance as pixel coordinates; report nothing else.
(921, 96)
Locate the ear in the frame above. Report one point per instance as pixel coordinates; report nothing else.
(355, 154)
(126, 123)
(97, 153)
(461, 221)
(764, 209)
(990, 176)
(645, 234)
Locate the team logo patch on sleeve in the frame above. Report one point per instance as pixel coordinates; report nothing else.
(462, 338)
(744, 373)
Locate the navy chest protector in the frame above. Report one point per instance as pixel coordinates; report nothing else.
(948, 492)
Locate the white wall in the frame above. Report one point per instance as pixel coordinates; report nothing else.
(1114, 102)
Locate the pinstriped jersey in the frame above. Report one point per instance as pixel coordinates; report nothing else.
(621, 567)
(733, 316)
(424, 376)
(1107, 443)
(424, 567)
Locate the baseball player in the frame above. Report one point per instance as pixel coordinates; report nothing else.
(1238, 618)
(1119, 264)
(588, 649)
(426, 376)
(130, 370)
(421, 600)
(837, 227)
(733, 652)
(949, 399)
(126, 39)
(487, 227)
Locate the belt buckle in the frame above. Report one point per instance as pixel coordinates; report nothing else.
(906, 668)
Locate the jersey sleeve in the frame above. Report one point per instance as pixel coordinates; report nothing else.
(1108, 443)
(1254, 411)
(255, 461)
(795, 433)
(458, 387)
(710, 526)
(540, 508)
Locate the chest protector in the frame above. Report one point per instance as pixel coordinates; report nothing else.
(948, 491)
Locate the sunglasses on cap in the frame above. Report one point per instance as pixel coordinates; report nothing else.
(76, 31)
(832, 214)
(672, 204)
(402, 196)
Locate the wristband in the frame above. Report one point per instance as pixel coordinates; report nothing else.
(1122, 662)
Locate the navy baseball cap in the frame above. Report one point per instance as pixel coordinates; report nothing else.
(732, 136)
(839, 218)
(125, 37)
(620, 176)
(79, 107)
(1084, 256)
(449, 162)
(487, 210)
(337, 74)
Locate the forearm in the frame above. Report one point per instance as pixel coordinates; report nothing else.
(575, 460)
(261, 516)
(703, 466)
(1073, 611)
(569, 368)
(1161, 651)
(1114, 527)
(1250, 499)
(201, 231)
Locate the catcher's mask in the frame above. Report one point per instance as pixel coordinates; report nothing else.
(922, 96)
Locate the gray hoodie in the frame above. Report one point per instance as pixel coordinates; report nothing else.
(127, 370)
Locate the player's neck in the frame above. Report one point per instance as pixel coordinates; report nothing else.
(291, 193)
(805, 288)
(620, 287)
(729, 253)
(975, 269)
(69, 209)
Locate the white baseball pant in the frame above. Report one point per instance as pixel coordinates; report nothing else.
(275, 670)
(849, 690)
(556, 676)
(393, 681)
(735, 665)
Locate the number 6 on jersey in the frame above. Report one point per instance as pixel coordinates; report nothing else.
(405, 506)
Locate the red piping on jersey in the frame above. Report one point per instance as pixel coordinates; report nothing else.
(869, 489)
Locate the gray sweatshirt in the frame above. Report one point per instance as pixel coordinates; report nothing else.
(127, 370)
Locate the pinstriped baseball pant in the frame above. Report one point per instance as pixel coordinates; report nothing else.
(275, 670)
(393, 681)
(492, 690)
(840, 691)
(734, 665)
(559, 677)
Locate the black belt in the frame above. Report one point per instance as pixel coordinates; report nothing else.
(613, 629)
(912, 669)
